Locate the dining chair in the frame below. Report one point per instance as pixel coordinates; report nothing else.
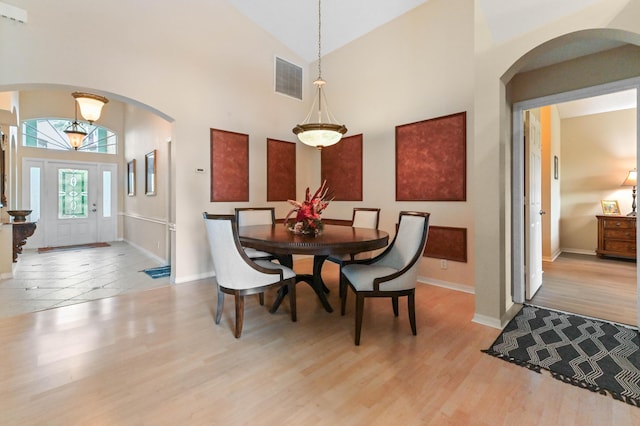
(392, 273)
(247, 216)
(237, 274)
(363, 217)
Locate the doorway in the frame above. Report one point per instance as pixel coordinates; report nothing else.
(73, 202)
(520, 218)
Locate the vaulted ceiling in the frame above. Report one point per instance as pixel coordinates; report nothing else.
(295, 22)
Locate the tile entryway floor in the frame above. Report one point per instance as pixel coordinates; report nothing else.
(59, 278)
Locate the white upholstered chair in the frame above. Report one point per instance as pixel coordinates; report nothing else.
(363, 217)
(237, 274)
(393, 273)
(247, 216)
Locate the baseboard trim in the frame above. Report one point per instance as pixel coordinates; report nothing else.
(195, 277)
(446, 284)
(495, 322)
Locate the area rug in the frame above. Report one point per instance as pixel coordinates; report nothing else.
(159, 272)
(592, 354)
(73, 247)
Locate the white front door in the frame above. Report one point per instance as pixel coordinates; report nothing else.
(533, 210)
(72, 204)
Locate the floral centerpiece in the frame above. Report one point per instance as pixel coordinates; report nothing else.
(307, 218)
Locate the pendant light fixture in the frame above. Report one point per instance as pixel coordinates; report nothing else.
(90, 105)
(324, 132)
(75, 132)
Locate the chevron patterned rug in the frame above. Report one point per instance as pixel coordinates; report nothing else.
(592, 354)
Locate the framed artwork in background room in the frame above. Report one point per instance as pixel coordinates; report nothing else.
(610, 207)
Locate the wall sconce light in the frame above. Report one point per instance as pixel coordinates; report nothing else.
(90, 105)
(632, 180)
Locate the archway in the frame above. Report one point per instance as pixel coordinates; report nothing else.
(537, 79)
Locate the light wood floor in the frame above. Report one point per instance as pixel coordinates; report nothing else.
(588, 285)
(157, 358)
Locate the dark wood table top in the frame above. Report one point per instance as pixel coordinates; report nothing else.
(334, 239)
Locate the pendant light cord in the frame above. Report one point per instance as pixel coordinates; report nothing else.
(319, 42)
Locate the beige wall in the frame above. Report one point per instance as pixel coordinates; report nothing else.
(416, 67)
(551, 200)
(597, 153)
(146, 218)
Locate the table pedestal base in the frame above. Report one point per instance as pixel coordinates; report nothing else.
(314, 280)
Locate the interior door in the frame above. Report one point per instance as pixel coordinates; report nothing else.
(533, 210)
(72, 204)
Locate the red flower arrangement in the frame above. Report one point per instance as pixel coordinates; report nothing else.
(308, 212)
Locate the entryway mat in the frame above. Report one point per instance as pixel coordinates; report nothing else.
(159, 272)
(73, 247)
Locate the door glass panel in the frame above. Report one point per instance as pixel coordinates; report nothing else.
(72, 194)
(34, 193)
(106, 194)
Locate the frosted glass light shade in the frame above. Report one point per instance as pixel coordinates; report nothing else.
(319, 135)
(76, 135)
(90, 105)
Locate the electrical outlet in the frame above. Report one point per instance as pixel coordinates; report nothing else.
(443, 264)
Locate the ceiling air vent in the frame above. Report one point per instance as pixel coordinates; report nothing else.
(288, 79)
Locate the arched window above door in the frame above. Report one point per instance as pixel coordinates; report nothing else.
(49, 133)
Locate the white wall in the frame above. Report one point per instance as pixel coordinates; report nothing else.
(206, 66)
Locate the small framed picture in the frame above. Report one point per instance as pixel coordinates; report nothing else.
(131, 178)
(150, 173)
(610, 207)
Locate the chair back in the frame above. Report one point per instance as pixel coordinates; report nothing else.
(233, 268)
(409, 242)
(255, 216)
(365, 218)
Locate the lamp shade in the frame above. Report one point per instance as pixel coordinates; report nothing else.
(90, 105)
(319, 135)
(632, 178)
(76, 135)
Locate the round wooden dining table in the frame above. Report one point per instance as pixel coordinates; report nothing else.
(333, 240)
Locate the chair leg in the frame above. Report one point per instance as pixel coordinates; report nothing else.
(343, 295)
(219, 306)
(394, 303)
(359, 312)
(292, 299)
(412, 311)
(261, 298)
(239, 314)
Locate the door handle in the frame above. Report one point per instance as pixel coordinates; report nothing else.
(542, 212)
(94, 210)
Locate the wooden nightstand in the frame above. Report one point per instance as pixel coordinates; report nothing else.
(617, 236)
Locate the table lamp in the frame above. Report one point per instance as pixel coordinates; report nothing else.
(632, 180)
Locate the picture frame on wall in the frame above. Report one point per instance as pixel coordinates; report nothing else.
(150, 173)
(131, 178)
(610, 207)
